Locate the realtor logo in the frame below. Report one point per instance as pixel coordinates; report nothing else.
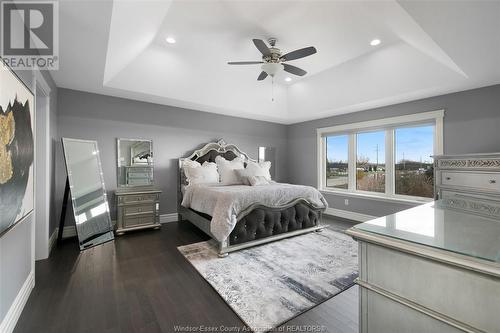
(29, 34)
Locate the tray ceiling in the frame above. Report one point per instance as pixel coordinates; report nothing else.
(427, 48)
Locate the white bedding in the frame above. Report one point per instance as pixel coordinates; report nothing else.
(224, 203)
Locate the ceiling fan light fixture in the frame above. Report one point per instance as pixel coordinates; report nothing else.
(272, 68)
(288, 79)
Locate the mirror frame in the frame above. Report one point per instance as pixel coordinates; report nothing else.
(118, 166)
(73, 199)
(268, 154)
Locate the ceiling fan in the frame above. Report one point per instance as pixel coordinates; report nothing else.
(272, 60)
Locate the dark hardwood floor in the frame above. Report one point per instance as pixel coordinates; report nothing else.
(141, 283)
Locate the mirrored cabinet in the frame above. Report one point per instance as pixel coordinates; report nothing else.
(137, 199)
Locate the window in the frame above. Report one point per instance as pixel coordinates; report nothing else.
(370, 161)
(337, 157)
(389, 157)
(414, 172)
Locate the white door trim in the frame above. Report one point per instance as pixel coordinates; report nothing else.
(42, 86)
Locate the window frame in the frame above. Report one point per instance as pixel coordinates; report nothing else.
(389, 125)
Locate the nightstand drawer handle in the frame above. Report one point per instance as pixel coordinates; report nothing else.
(448, 178)
(493, 181)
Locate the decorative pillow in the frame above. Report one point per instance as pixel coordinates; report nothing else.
(197, 173)
(227, 169)
(242, 175)
(258, 180)
(259, 169)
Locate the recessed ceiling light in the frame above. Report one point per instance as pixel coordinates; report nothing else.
(375, 42)
(288, 79)
(171, 40)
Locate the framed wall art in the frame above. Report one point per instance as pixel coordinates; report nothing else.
(16, 149)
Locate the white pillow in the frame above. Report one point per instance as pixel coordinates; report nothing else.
(200, 174)
(226, 170)
(247, 179)
(258, 180)
(259, 169)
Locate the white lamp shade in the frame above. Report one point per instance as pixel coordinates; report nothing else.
(272, 68)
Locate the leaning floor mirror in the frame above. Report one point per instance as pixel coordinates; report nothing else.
(88, 195)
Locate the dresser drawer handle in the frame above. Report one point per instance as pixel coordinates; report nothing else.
(493, 181)
(448, 178)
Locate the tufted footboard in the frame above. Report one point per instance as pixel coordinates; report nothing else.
(262, 222)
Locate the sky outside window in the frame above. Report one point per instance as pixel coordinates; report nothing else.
(415, 144)
(368, 145)
(337, 148)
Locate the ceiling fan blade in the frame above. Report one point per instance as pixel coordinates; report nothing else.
(262, 47)
(244, 62)
(262, 76)
(297, 54)
(294, 70)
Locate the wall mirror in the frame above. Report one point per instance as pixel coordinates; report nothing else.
(135, 162)
(88, 195)
(268, 154)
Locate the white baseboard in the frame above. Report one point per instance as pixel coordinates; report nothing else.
(53, 239)
(345, 214)
(10, 320)
(69, 231)
(167, 218)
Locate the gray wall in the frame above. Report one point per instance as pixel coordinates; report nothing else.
(17, 245)
(175, 132)
(471, 125)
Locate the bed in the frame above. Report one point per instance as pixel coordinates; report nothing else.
(257, 218)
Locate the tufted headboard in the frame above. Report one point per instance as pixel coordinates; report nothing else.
(209, 152)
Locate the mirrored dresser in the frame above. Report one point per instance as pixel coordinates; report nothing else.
(137, 199)
(436, 267)
(432, 268)
(475, 175)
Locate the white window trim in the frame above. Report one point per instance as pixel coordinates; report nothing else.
(380, 124)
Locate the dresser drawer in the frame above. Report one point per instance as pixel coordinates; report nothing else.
(435, 286)
(139, 210)
(139, 181)
(478, 181)
(138, 220)
(381, 314)
(134, 198)
(138, 175)
(136, 169)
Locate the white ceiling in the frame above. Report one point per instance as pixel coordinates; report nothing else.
(428, 48)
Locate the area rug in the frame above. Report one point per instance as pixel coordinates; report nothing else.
(269, 284)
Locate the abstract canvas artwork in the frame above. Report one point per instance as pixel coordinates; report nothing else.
(16, 149)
